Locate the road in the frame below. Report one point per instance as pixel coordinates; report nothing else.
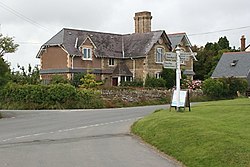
(76, 138)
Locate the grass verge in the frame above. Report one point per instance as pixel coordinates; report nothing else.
(214, 134)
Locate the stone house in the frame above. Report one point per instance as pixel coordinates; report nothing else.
(234, 64)
(113, 58)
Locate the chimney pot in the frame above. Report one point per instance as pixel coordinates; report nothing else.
(243, 43)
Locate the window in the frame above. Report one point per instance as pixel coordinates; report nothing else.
(159, 55)
(87, 54)
(158, 75)
(111, 62)
(123, 78)
(128, 78)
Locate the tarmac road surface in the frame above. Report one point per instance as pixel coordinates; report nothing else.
(76, 138)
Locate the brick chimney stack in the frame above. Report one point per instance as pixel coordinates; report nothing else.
(142, 22)
(243, 43)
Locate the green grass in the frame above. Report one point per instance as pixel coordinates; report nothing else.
(213, 134)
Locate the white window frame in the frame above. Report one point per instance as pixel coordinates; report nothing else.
(88, 55)
(158, 75)
(111, 61)
(159, 55)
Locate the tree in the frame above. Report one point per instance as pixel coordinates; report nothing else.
(4, 71)
(7, 45)
(208, 57)
(224, 43)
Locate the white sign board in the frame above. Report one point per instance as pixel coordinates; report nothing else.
(185, 56)
(170, 55)
(169, 64)
(183, 95)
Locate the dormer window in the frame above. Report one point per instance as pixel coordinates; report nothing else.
(234, 63)
(87, 54)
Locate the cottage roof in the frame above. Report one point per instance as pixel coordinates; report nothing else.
(107, 44)
(178, 38)
(233, 64)
(122, 70)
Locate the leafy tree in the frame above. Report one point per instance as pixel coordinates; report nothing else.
(208, 57)
(224, 43)
(4, 71)
(7, 45)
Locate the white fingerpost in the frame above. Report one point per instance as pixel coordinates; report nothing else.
(178, 76)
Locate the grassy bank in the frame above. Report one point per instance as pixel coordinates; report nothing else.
(214, 134)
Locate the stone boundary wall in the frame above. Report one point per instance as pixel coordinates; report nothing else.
(134, 95)
(139, 94)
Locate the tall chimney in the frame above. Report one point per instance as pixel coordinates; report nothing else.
(243, 43)
(142, 22)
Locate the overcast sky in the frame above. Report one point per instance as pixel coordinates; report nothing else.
(33, 22)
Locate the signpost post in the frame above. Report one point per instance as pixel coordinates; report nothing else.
(178, 76)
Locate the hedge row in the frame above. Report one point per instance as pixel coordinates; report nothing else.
(57, 96)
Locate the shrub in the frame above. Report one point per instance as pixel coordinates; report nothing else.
(89, 81)
(77, 79)
(213, 88)
(154, 82)
(56, 79)
(135, 83)
(61, 93)
(56, 96)
(90, 99)
(193, 85)
(237, 84)
(224, 87)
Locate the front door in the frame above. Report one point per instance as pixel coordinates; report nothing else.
(114, 81)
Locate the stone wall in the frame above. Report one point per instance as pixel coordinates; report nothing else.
(134, 95)
(138, 95)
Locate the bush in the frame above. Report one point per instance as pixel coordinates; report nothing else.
(213, 88)
(235, 84)
(154, 82)
(135, 83)
(224, 87)
(89, 81)
(56, 96)
(77, 79)
(60, 93)
(56, 79)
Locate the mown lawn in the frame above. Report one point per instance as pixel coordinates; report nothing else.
(213, 134)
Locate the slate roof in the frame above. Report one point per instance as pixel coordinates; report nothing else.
(177, 38)
(122, 70)
(107, 44)
(233, 64)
